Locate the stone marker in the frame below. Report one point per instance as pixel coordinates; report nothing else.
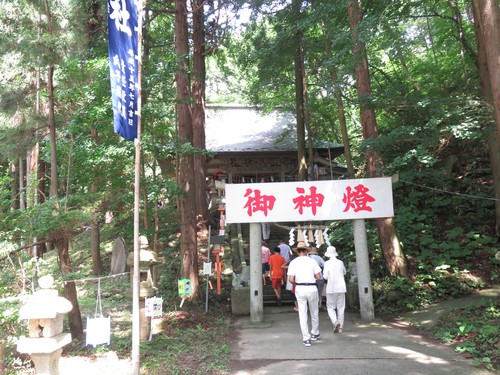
(118, 257)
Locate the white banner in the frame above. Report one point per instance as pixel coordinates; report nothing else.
(367, 198)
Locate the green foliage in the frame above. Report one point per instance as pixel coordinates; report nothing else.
(473, 330)
(50, 220)
(11, 330)
(397, 294)
(196, 344)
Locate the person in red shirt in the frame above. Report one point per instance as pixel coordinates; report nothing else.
(276, 263)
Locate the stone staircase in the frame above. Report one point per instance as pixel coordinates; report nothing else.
(241, 237)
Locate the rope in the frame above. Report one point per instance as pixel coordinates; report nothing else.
(98, 301)
(450, 192)
(95, 278)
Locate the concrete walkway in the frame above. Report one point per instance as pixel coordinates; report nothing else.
(275, 347)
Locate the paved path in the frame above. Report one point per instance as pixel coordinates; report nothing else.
(275, 347)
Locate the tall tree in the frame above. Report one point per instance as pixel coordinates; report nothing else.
(185, 167)
(59, 238)
(198, 110)
(299, 107)
(389, 241)
(487, 33)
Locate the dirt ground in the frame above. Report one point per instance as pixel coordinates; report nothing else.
(105, 364)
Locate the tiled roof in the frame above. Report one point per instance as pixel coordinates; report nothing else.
(234, 128)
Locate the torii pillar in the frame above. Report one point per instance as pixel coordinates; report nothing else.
(256, 297)
(363, 267)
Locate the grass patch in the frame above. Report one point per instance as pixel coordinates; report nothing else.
(473, 331)
(192, 342)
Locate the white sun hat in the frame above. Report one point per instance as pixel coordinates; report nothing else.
(331, 252)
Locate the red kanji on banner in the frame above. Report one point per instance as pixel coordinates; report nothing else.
(357, 199)
(258, 202)
(312, 200)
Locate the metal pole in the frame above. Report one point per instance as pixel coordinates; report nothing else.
(136, 318)
(208, 260)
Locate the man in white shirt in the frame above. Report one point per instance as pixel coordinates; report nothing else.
(334, 273)
(303, 272)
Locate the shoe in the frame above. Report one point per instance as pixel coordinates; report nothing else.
(336, 327)
(307, 343)
(315, 337)
(340, 330)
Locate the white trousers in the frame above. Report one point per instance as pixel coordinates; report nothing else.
(336, 301)
(305, 298)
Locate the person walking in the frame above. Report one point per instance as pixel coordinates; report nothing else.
(313, 253)
(285, 251)
(276, 263)
(334, 275)
(304, 271)
(266, 253)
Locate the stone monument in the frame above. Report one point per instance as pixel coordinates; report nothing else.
(45, 312)
(148, 259)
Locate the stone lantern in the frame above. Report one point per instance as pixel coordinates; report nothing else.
(147, 261)
(45, 312)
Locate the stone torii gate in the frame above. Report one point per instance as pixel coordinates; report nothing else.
(355, 200)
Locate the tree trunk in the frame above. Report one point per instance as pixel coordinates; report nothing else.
(2, 362)
(42, 193)
(185, 168)
(95, 232)
(199, 69)
(52, 135)
(485, 84)
(14, 187)
(74, 316)
(62, 244)
(389, 242)
(144, 192)
(490, 21)
(340, 104)
(308, 126)
(299, 109)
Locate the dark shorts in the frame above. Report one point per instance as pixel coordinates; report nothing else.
(265, 267)
(277, 283)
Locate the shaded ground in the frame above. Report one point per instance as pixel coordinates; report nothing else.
(413, 325)
(395, 345)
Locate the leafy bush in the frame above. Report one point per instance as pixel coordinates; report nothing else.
(474, 331)
(397, 294)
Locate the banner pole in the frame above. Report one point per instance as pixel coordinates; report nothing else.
(136, 322)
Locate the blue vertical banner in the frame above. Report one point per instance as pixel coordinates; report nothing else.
(123, 65)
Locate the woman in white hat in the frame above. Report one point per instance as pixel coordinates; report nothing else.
(334, 273)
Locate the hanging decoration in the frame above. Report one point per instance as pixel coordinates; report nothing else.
(310, 235)
(318, 236)
(304, 236)
(300, 236)
(98, 327)
(291, 236)
(325, 236)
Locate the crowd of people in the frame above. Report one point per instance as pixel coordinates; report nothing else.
(308, 277)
